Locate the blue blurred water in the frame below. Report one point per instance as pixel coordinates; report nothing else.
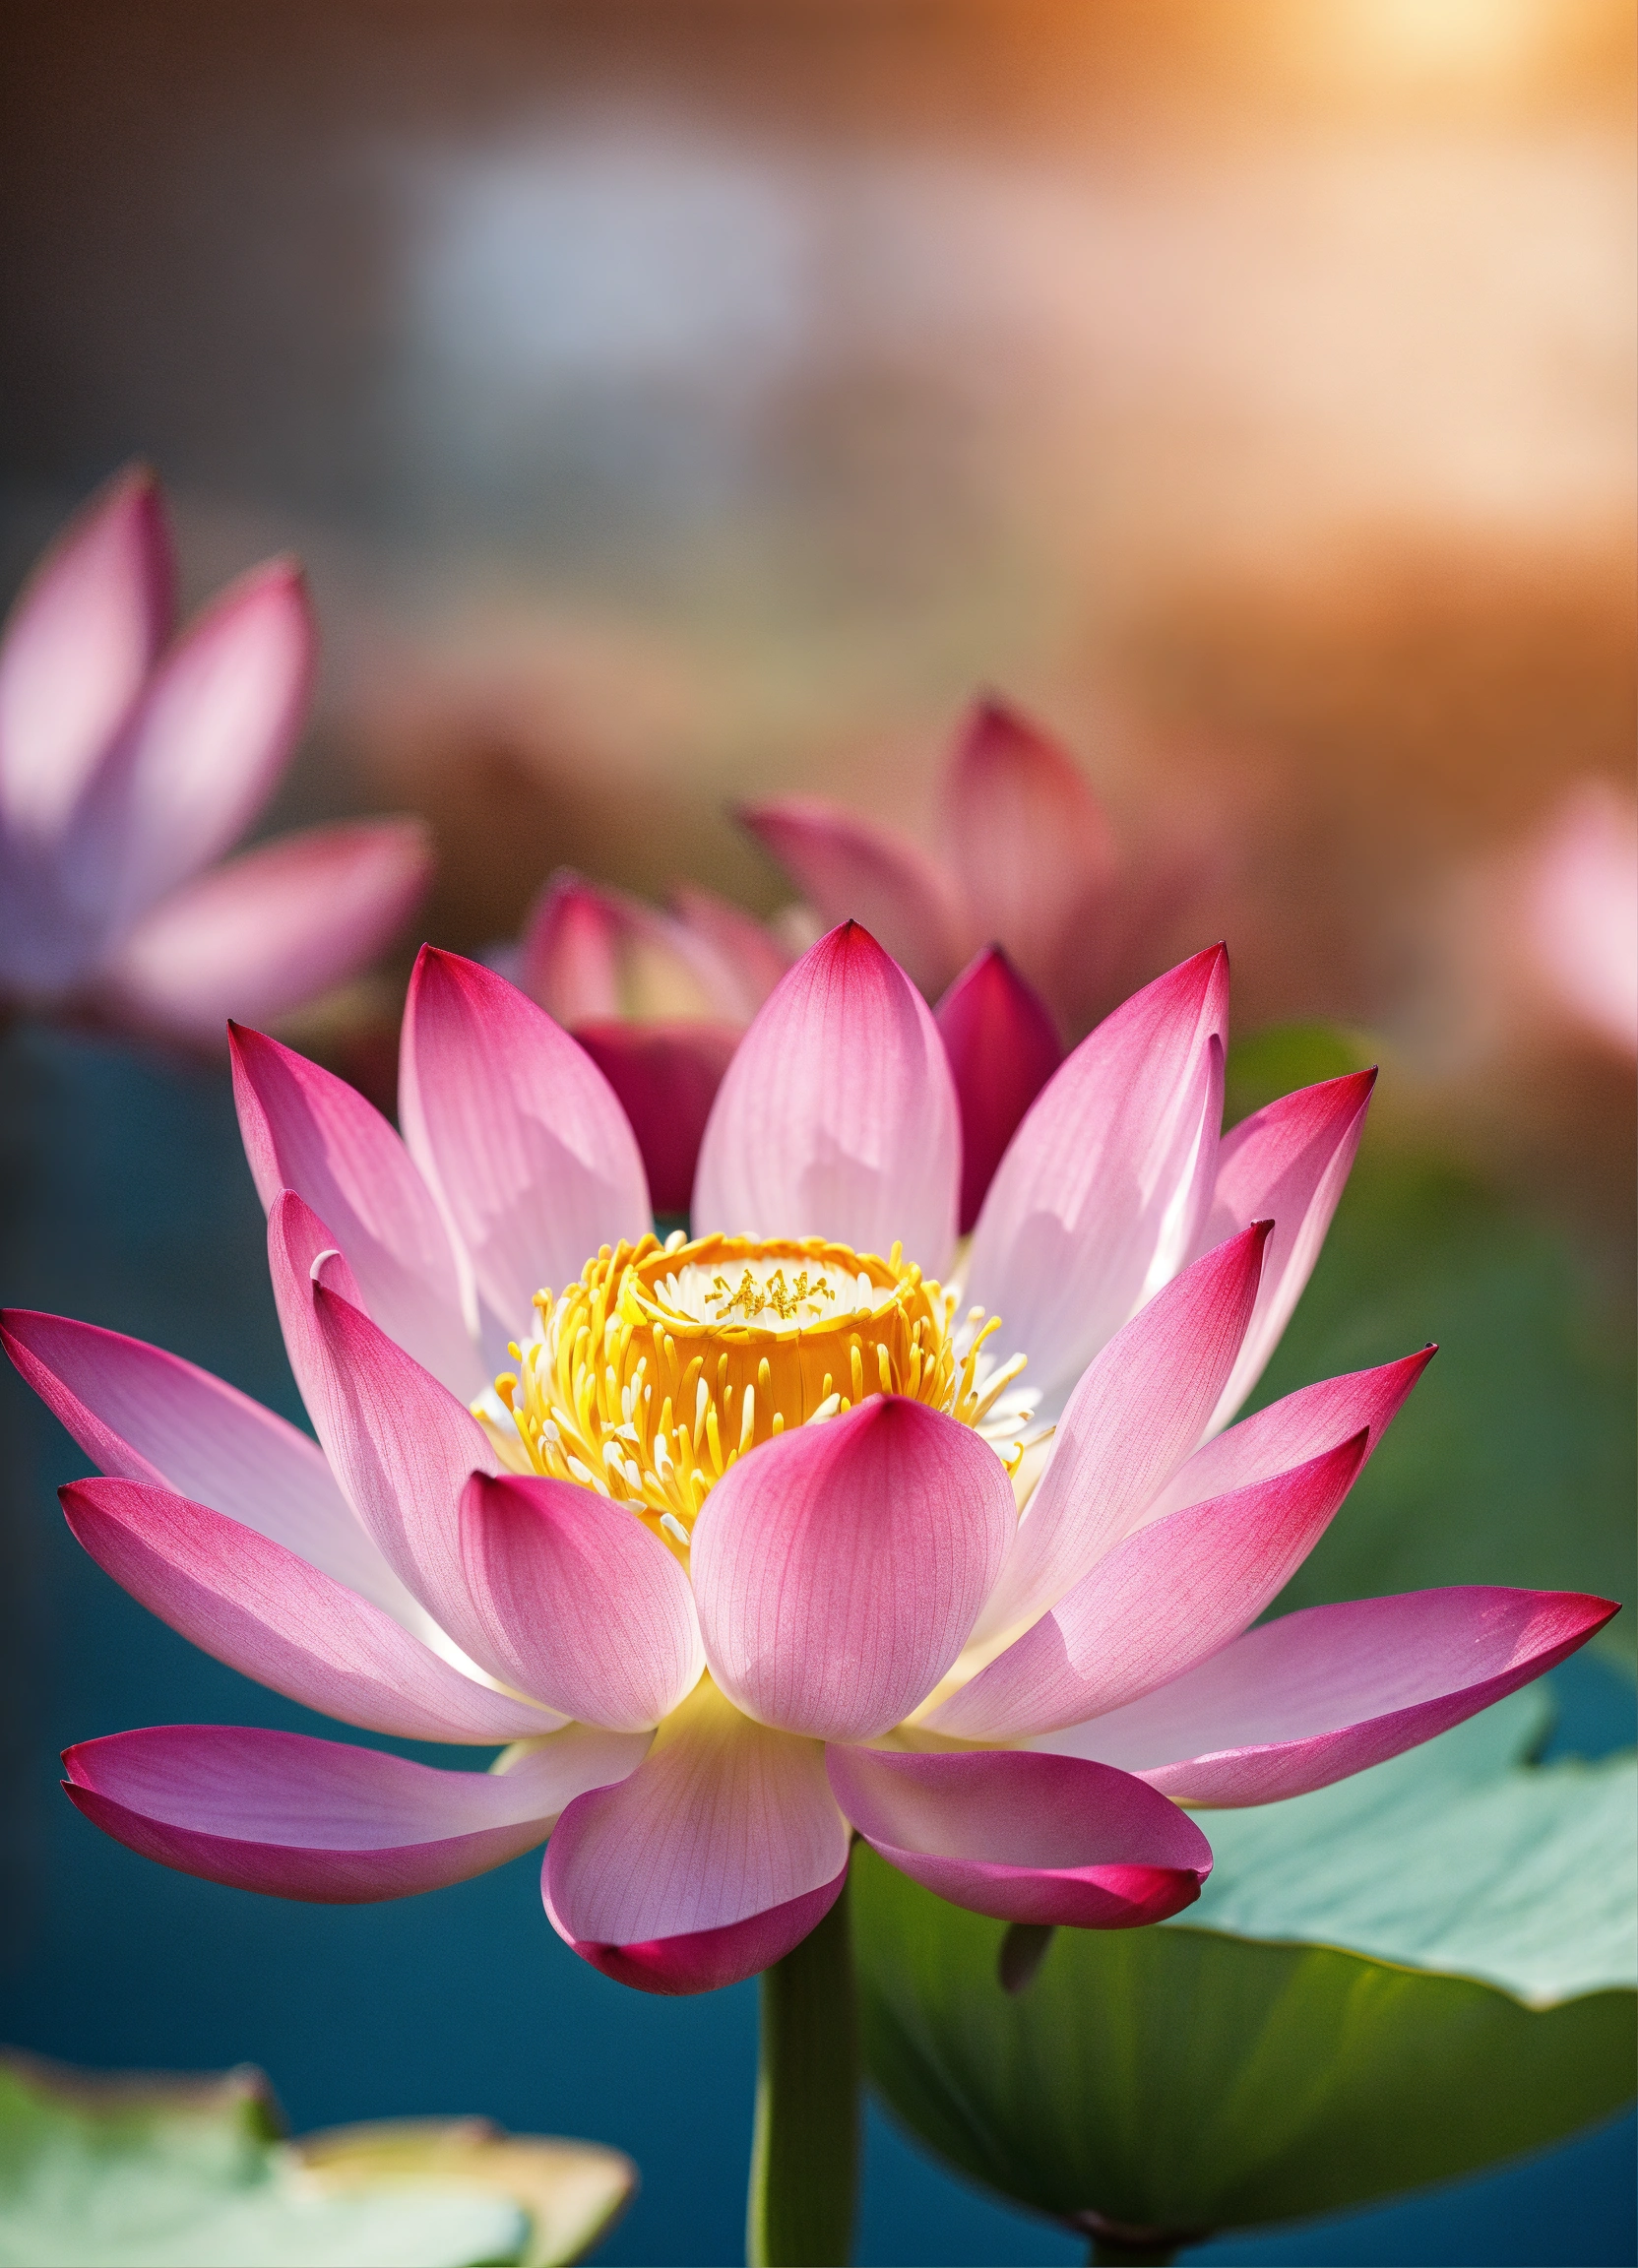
(126, 1202)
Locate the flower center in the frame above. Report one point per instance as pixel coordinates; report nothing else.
(666, 1363)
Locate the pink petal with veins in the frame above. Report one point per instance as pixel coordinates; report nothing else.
(1289, 1432)
(838, 1115)
(143, 1414)
(257, 1606)
(308, 1131)
(1161, 1601)
(581, 1603)
(400, 1445)
(1331, 1690)
(1287, 1163)
(1100, 1197)
(1129, 1425)
(839, 1569)
(995, 1833)
(318, 1820)
(518, 1133)
(719, 1852)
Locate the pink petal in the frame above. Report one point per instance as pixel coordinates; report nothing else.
(143, 1414)
(400, 1445)
(77, 646)
(839, 1569)
(517, 1131)
(579, 1601)
(306, 1130)
(269, 931)
(205, 747)
(1331, 1690)
(1099, 1198)
(990, 1832)
(852, 870)
(838, 1115)
(315, 1819)
(748, 952)
(1158, 1604)
(1288, 1165)
(719, 1852)
(566, 958)
(666, 1076)
(1003, 1049)
(1030, 839)
(1135, 1415)
(1292, 1430)
(591, 956)
(262, 1611)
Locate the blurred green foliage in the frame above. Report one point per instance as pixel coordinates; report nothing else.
(123, 2170)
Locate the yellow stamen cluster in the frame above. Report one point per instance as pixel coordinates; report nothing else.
(649, 1376)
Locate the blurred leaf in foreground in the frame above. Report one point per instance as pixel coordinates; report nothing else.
(1514, 1462)
(1239, 2066)
(570, 2193)
(119, 2170)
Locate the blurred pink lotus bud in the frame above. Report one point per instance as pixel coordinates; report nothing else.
(130, 760)
(1029, 863)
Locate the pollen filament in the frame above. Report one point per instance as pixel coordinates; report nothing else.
(649, 1376)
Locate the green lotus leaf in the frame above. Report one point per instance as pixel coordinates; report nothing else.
(572, 2192)
(1458, 1857)
(1245, 2063)
(120, 2170)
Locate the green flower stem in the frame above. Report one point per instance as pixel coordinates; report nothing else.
(1122, 2244)
(804, 2150)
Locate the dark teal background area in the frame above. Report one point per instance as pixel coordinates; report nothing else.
(126, 1202)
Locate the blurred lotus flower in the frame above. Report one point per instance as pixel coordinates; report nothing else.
(128, 763)
(1580, 911)
(1529, 960)
(1029, 863)
(730, 1552)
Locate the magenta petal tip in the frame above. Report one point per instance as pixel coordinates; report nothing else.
(704, 1960)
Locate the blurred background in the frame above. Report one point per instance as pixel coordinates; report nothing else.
(681, 404)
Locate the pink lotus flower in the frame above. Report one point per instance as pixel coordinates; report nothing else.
(1031, 863)
(730, 1552)
(659, 1001)
(127, 764)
